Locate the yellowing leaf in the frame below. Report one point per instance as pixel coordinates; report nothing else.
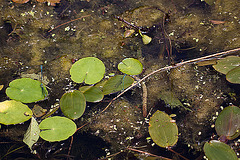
(32, 134)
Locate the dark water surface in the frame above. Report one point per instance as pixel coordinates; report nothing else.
(34, 34)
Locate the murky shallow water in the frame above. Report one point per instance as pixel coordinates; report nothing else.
(35, 34)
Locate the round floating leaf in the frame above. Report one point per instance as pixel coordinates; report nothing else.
(233, 75)
(90, 70)
(130, 66)
(117, 83)
(57, 128)
(14, 112)
(91, 93)
(226, 64)
(228, 122)
(73, 104)
(216, 150)
(163, 129)
(26, 90)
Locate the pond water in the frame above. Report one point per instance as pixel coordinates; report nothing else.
(57, 35)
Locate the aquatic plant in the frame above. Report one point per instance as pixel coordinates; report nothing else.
(14, 112)
(32, 134)
(89, 70)
(218, 150)
(92, 93)
(130, 66)
(163, 129)
(228, 122)
(230, 66)
(116, 84)
(57, 128)
(73, 104)
(26, 90)
(227, 127)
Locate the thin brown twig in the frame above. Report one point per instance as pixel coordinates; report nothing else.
(67, 22)
(136, 150)
(171, 67)
(177, 153)
(112, 155)
(216, 55)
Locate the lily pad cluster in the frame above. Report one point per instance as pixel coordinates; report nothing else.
(230, 66)
(227, 127)
(91, 70)
(164, 132)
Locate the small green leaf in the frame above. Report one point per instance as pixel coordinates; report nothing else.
(117, 83)
(146, 39)
(233, 75)
(32, 134)
(216, 150)
(130, 66)
(73, 104)
(226, 64)
(228, 122)
(26, 90)
(163, 129)
(90, 70)
(91, 93)
(57, 128)
(14, 112)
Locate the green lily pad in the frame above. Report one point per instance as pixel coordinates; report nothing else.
(226, 64)
(130, 66)
(14, 112)
(57, 128)
(32, 134)
(73, 104)
(163, 129)
(216, 150)
(117, 83)
(228, 122)
(26, 90)
(90, 70)
(233, 75)
(91, 93)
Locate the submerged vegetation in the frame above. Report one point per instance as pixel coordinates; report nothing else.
(65, 79)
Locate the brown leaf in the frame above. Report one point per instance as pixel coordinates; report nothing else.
(50, 1)
(217, 22)
(20, 1)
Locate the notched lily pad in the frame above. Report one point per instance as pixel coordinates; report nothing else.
(14, 112)
(117, 83)
(89, 70)
(57, 128)
(73, 104)
(130, 66)
(228, 122)
(216, 150)
(226, 64)
(26, 90)
(163, 129)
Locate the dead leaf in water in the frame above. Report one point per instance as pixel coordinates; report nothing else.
(20, 1)
(217, 22)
